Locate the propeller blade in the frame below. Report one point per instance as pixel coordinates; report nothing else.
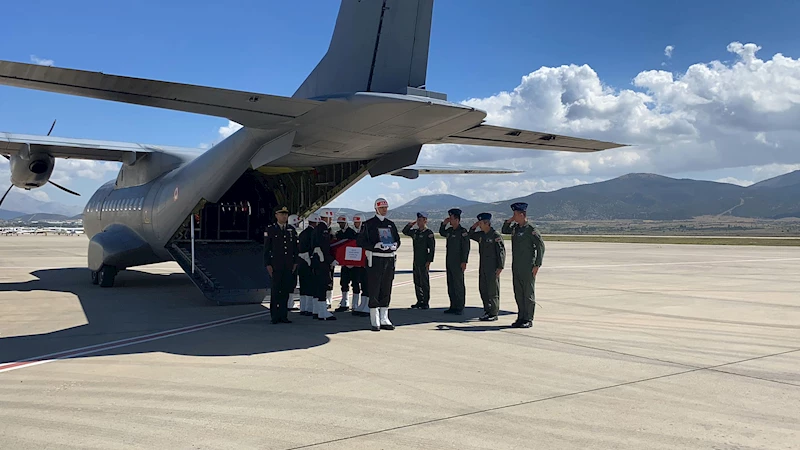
(64, 189)
(51, 127)
(4, 195)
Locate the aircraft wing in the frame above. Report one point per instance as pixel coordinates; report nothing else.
(494, 136)
(247, 108)
(415, 171)
(11, 144)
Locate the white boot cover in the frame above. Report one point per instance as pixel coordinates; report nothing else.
(373, 318)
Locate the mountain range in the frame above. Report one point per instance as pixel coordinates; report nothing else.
(17, 204)
(636, 196)
(655, 197)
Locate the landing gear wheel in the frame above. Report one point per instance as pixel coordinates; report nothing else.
(95, 279)
(106, 276)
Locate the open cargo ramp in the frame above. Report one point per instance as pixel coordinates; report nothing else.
(227, 272)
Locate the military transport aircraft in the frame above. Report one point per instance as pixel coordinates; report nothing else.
(364, 109)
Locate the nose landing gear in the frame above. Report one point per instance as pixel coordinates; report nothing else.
(105, 276)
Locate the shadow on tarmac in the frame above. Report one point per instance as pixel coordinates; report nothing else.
(142, 303)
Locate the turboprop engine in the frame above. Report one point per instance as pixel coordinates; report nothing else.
(31, 170)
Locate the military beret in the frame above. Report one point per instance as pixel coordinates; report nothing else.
(282, 209)
(422, 214)
(454, 212)
(484, 216)
(519, 206)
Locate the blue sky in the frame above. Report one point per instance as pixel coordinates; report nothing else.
(478, 49)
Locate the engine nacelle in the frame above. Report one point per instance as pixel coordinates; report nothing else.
(31, 170)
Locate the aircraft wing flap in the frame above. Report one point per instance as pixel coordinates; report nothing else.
(246, 108)
(494, 136)
(11, 144)
(415, 171)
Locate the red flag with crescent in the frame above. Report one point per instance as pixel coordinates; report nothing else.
(347, 253)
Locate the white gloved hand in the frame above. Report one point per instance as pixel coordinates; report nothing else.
(379, 245)
(393, 247)
(334, 263)
(318, 252)
(369, 258)
(304, 256)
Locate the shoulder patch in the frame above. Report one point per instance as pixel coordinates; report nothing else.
(464, 234)
(498, 239)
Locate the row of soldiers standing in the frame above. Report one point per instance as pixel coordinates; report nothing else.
(528, 253)
(310, 258)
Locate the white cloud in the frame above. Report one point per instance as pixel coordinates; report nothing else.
(761, 137)
(39, 195)
(67, 169)
(668, 51)
(713, 116)
(733, 180)
(229, 129)
(393, 185)
(42, 61)
(773, 170)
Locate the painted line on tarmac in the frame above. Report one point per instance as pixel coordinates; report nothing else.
(98, 348)
(682, 263)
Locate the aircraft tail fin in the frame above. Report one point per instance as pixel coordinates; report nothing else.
(377, 46)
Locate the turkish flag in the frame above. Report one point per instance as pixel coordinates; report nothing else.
(347, 253)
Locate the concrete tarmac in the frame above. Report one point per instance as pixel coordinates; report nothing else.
(634, 346)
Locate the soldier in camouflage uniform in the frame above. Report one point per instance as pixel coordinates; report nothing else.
(527, 250)
(456, 259)
(424, 243)
(492, 261)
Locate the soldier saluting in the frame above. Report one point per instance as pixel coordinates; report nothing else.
(281, 259)
(492, 261)
(527, 250)
(424, 243)
(456, 259)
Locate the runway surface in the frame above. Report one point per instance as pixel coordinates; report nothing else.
(634, 346)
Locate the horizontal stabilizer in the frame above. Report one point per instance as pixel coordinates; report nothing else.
(494, 136)
(11, 144)
(415, 171)
(247, 108)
